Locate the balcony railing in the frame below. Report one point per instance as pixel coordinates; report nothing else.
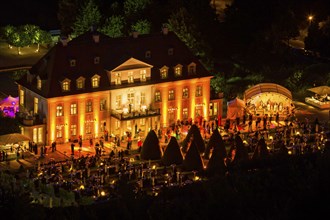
(28, 120)
(120, 115)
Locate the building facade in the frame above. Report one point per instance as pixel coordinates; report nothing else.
(95, 85)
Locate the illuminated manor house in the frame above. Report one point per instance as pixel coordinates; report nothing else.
(95, 84)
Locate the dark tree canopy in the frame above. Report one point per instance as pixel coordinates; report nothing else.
(150, 148)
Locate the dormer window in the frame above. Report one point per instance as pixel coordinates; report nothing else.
(178, 70)
(164, 72)
(96, 60)
(192, 69)
(148, 54)
(170, 51)
(118, 79)
(66, 85)
(143, 75)
(95, 81)
(130, 77)
(39, 83)
(80, 83)
(72, 62)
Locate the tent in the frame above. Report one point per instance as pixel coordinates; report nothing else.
(235, 108)
(320, 90)
(13, 138)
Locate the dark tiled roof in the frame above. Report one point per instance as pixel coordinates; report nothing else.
(54, 67)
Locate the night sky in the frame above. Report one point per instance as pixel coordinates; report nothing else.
(37, 12)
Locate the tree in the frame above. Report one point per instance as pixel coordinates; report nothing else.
(114, 26)
(7, 31)
(133, 7)
(67, 13)
(19, 38)
(218, 82)
(32, 32)
(182, 24)
(42, 37)
(142, 26)
(88, 16)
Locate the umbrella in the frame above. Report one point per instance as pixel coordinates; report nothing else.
(13, 138)
(320, 90)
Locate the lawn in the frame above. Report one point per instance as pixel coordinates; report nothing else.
(9, 57)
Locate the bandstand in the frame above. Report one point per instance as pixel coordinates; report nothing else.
(268, 98)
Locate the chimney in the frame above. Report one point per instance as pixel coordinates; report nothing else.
(135, 34)
(64, 41)
(96, 38)
(165, 30)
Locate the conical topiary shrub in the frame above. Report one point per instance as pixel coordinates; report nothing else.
(241, 150)
(194, 133)
(172, 154)
(193, 160)
(261, 150)
(216, 164)
(215, 140)
(150, 148)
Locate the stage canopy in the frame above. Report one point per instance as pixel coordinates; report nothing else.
(268, 98)
(320, 90)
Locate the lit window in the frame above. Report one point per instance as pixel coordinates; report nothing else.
(95, 82)
(148, 54)
(185, 93)
(59, 110)
(59, 131)
(143, 98)
(185, 113)
(157, 96)
(21, 97)
(39, 83)
(72, 62)
(36, 105)
(178, 70)
(170, 51)
(103, 104)
(80, 83)
(117, 124)
(89, 106)
(88, 128)
(73, 130)
(65, 86)
(199, 91)
(118, 79)
(130, 77)
(143, 75)
(171, 95)
(130, 98)
(96, 60)
(73, 109)
(163, 72)
(118, 101)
